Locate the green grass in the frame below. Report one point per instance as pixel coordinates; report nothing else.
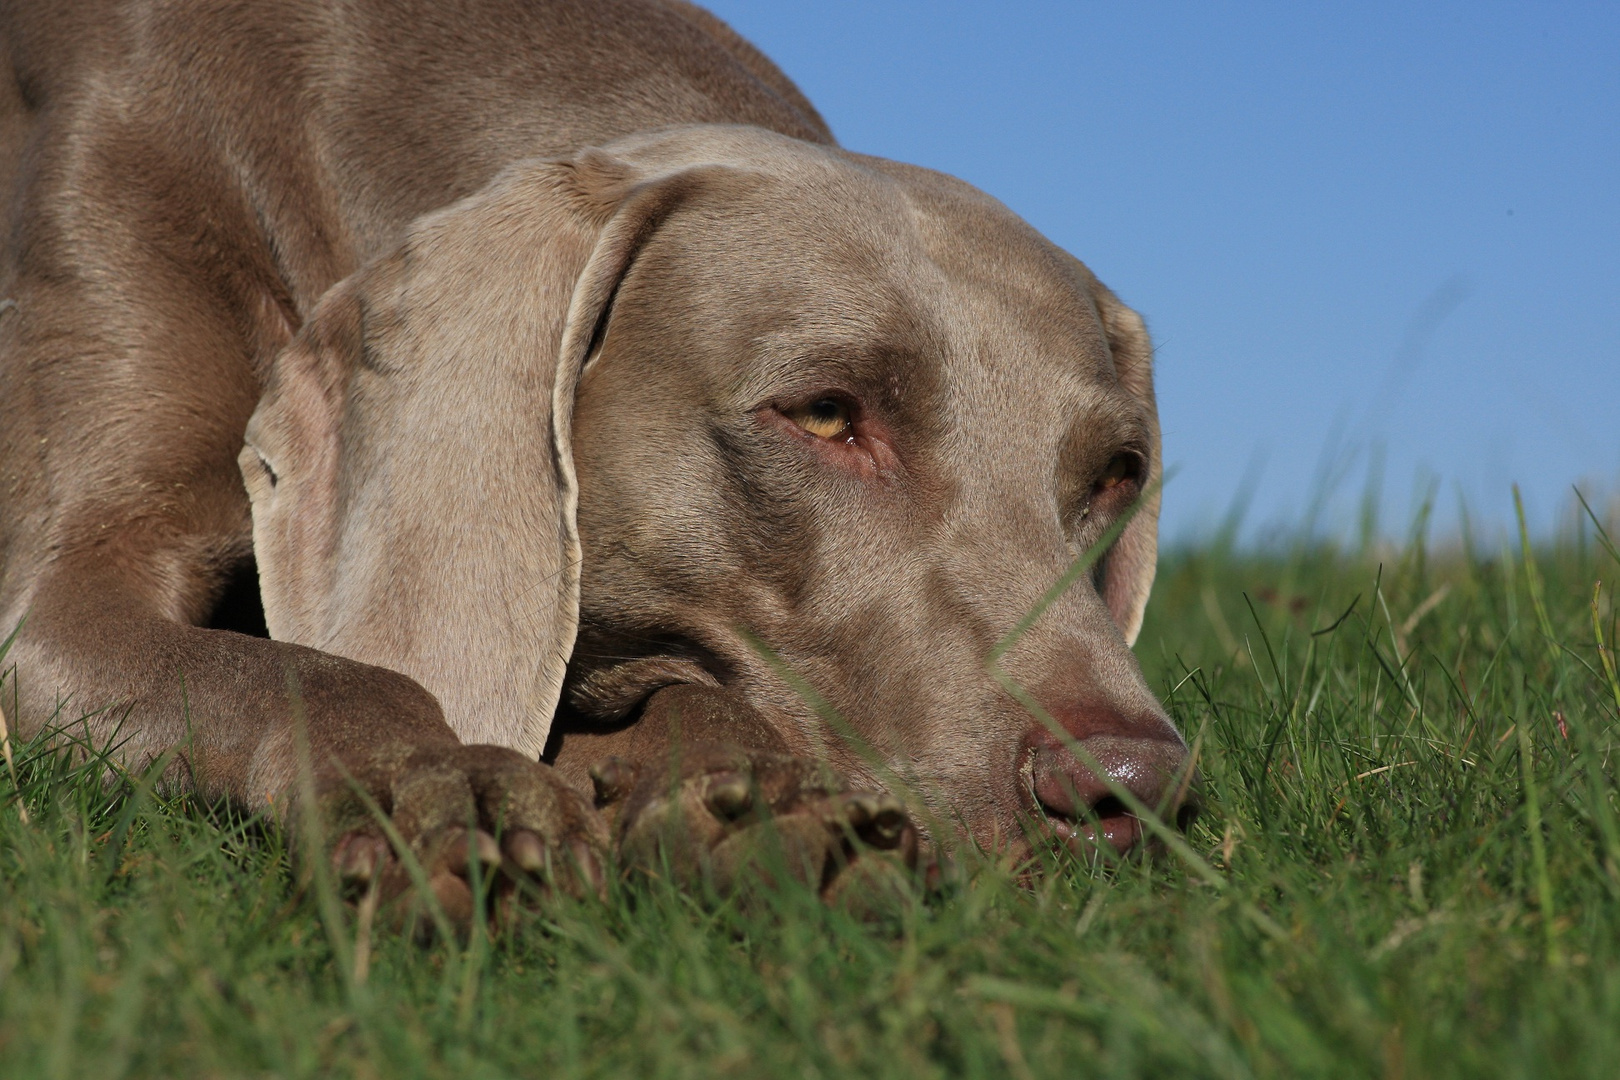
(1409, 866)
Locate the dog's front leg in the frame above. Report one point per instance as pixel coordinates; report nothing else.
(257, 721)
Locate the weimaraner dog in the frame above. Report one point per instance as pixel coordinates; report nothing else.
(626, 465)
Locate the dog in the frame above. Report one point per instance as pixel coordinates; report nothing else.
(616, 462)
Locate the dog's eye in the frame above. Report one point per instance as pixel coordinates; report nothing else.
(268, 470)
(825, 417)
(1120, 469)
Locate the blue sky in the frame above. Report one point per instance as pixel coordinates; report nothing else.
(1358, 232)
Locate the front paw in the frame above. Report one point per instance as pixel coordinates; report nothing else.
(721, 815)
(462, 815)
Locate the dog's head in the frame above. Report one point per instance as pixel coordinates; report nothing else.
(718, 406)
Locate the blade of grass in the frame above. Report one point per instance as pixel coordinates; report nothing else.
(1538, 845)
(476, 954)
(11, 767)
(1076, 570)
(311, 833)
(1605, 652)
(1603, 536)
(1150, 820)
(134, 807)
(5, 731)
(407, 858)
(1533, 585)
(1398, 674)
(1597, 780)
(1271, 657)
(846, 731)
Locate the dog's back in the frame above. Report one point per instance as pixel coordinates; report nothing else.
(382, 110)
(206, 170)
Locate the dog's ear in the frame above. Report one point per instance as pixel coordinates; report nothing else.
(1127, 572)
(410, 464)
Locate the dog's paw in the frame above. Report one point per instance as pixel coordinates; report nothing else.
(465, 814)
(725, 816)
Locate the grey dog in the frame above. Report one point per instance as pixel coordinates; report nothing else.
(592, 405)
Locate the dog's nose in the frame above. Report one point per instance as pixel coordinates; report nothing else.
(1078, 803)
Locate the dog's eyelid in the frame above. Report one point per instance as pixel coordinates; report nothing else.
(1126, 466)
(264, 463)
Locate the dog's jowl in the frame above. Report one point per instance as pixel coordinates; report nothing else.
(620, 465)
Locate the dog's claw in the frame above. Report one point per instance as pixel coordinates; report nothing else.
(728, 795)
(449, 807)
(878, 819)
(455, 900)
(527, 851)
(737, 815)
(612, 778)
(464, 847)
(358, 859)
(588, 865)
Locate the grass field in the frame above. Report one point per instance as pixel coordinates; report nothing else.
(1409, 866)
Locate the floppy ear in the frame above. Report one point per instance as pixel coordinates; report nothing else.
(410, 464)
(1128, 569)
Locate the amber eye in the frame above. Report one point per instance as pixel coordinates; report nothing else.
(1120, 468)
(824, 417)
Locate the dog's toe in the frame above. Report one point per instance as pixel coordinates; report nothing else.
(527, 850)
(359, 858)
(465, 852)
(479, 825)
(733, 819)
(877, 818)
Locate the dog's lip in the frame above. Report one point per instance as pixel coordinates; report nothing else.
(1120, 832)
(621, 690)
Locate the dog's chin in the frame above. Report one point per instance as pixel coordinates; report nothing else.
(615, 691)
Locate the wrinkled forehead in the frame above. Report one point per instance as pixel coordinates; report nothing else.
(888, 272)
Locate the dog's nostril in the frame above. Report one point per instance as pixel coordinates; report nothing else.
(1081, 805)
(1109, 808)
